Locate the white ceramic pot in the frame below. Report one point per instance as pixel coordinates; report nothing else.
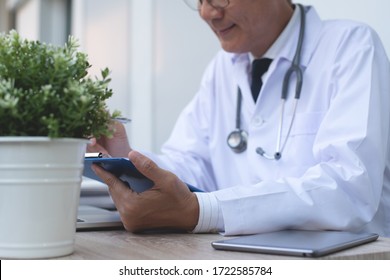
(40, 182)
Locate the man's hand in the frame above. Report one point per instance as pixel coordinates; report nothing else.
(168, 205)
(115, 146)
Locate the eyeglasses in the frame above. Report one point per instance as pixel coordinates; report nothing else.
(216, 4)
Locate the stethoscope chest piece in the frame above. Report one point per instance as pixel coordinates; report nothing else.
(238, 140)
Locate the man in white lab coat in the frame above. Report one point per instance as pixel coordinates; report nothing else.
(333, 172)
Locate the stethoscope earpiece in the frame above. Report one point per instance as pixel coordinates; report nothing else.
(276, 156)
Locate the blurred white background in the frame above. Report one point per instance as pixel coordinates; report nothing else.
(156, 49)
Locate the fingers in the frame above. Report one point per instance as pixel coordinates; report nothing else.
(119, 129)
(91, 145)
(146, 166)
(94, 147)
(111, 180)
(169, 204)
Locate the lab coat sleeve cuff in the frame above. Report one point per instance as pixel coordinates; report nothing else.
(210, 215)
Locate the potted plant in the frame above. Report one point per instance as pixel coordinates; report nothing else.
(48, 108)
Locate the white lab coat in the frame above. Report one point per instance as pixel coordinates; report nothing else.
(334, 171)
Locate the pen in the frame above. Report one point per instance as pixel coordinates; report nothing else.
(122, 120)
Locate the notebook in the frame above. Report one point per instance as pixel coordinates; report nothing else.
(296, 242)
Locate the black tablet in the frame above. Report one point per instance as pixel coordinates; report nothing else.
(125, 170)
(296, 242)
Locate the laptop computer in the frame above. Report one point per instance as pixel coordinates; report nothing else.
(94, 218)
(96, 208)
(296, 242)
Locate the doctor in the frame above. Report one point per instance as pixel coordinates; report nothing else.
(275, 161)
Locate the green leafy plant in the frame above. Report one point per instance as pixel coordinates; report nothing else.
(45, 91)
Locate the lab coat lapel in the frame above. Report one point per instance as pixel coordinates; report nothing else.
(273, 79)
(241, 66)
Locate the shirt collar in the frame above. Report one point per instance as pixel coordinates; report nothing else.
(277, 47)
(284, 37)
(312, 35)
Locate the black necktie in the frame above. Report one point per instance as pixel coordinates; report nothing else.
(259, 67)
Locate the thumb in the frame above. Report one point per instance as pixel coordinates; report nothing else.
(146, 166)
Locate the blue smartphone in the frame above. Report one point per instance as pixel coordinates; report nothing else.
(124, 169)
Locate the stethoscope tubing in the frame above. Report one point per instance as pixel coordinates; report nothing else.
(296, 69)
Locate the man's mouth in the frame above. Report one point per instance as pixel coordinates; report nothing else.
(224, 31)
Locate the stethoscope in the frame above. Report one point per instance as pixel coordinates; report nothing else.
(238, 139)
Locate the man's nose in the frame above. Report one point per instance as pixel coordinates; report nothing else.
(208, 12)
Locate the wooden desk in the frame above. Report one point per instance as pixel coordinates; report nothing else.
(121, 245)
